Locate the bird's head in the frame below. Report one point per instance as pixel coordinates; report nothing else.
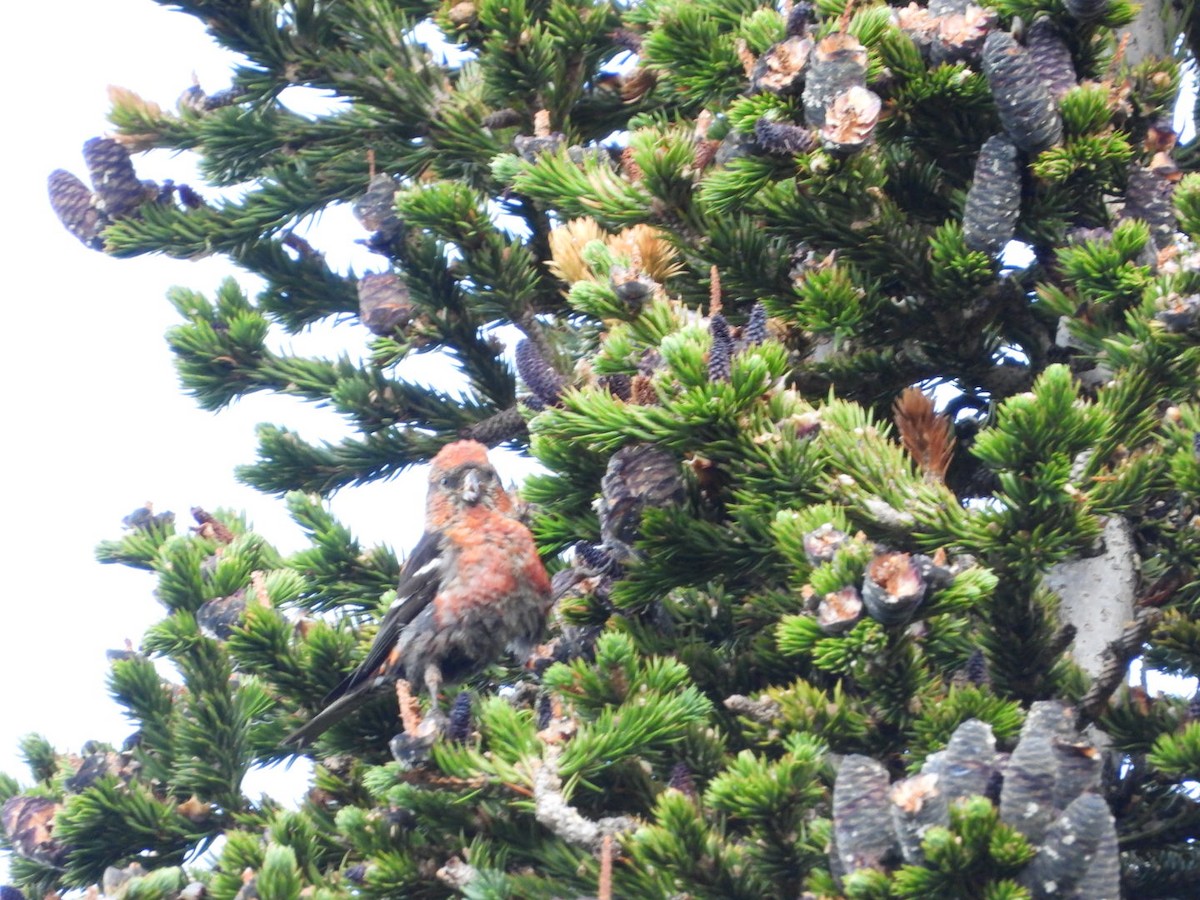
(462, 476)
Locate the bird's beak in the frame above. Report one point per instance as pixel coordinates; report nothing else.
(472, 487)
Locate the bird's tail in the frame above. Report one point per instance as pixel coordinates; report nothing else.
(328, 717)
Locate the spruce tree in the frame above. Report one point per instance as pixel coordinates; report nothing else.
(853, 340)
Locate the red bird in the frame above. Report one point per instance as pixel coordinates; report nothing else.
(473, 586)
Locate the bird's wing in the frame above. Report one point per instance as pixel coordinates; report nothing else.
(418, 585)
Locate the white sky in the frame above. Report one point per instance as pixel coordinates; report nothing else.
(96, 421)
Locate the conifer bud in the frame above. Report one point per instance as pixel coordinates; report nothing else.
(682, 781)
(76, 208)
(458, 727)
(545, 711)
(720, 356)
(1051, 57)
(994, 198)
(977, 668)
(892, 588)
(218, 99)
(383, 302)
(594, 557)
(144, 518)
(1023, 102)
(190, 198)
(782, 138)
(755, 331)
(539, 376)
(113, 177)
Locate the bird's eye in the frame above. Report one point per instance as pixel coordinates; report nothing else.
(444, 481)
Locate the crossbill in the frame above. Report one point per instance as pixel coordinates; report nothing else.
(473, 587)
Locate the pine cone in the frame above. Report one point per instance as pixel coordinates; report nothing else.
(376, 208)
(76, 208)
(1045, 800)
(1069, 850)
(530, 147)
(539, 376)
(1086, 10)
(892, 588)
(502, 118)
(839, 611)
(780, 70)
(638, 477)
(823, 542)
(113, 177)
(29, 826)
(850, 121)
(839, 63)
(498, 428)
(1148, 197)
(1181, 315)
(1023, 102)
(1051, 57)
(994, 198)
(1027, 798)
(961, 30)
(965, 768)
(800, 18)
(862, 824)
(383, 302)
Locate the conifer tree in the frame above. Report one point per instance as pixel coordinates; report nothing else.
(851, 339)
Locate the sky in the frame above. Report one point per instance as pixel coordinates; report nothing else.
(96, 423)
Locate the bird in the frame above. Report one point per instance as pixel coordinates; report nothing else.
(473, 587)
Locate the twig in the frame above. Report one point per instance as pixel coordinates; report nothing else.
(604, 890)
(1115, 664)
